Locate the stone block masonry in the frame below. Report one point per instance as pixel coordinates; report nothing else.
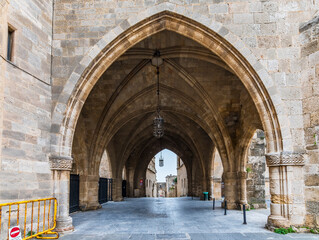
(265, 75)
(25, 100)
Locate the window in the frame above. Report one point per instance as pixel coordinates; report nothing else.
(10, 43)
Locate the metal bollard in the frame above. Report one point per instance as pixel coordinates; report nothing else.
(213, 203)
(244, 212)
(225, 202)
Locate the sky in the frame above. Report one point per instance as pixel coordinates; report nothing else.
(169, 167)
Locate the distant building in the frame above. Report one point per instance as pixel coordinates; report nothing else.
(171, 185)
(150, 181)
(161, 189)
(182, 181)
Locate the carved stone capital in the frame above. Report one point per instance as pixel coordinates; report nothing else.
(242, 175)
(61, 163)
(285, 159)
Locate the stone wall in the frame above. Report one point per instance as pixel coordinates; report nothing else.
(278, 33)
(161, 189)
(182, 180)
(256, 168)
(150, 181)
(171, 185)
(309, 38)
(25, 100)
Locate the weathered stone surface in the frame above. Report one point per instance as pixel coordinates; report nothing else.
(256, 164)
(80, 83)
(285, 159)
(61, 163)
(312, 180)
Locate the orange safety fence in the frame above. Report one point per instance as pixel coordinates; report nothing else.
(35, 218)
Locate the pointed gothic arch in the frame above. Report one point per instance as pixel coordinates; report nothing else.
(210, 35)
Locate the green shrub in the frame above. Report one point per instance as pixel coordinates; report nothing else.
(32, 233)
(290, 230)
(281, 230)
(284, 230)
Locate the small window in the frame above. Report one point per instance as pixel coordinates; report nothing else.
(10, 43)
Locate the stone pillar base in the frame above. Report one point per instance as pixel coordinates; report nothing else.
(230, 205)
(277, 221)
(64, 225)
(118, 199)
(88, 207)
(246, 205)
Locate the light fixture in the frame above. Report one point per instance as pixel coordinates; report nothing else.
(158, 122)
(161, 160)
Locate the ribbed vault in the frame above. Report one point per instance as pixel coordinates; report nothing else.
(204, 104)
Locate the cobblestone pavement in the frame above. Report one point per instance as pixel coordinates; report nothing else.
(171, 218)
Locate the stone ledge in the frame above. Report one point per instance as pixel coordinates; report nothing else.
(285, 159)
(62, 163)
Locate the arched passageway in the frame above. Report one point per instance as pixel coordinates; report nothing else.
(211, 98)
(166, 176)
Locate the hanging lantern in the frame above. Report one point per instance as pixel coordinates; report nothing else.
(161, 161)
(158, 127)
(158, 122)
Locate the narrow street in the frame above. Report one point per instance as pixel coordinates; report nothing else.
(171, 218)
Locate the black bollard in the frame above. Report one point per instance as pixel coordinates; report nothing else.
(225, 202)
(244, 212)
(213, 203)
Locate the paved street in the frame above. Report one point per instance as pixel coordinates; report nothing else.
(171, 218)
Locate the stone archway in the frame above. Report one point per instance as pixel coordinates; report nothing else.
(239, 60)
(111, 47)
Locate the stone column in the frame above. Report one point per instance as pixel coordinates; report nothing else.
(242, 176)
(217, 188)
(130, 182)
(286, 189)
(209, 187)
(89, 189)
(117, 189)
(61, 167)
(230, 190)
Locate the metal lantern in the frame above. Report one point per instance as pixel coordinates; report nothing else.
(158, 122)
(158, 127)
(161, 161)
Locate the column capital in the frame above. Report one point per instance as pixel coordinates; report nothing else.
(61, 163)
(242, 175)
(285, 159)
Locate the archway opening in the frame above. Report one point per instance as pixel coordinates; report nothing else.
(204, 104)
(207, 103)
(166, 176)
